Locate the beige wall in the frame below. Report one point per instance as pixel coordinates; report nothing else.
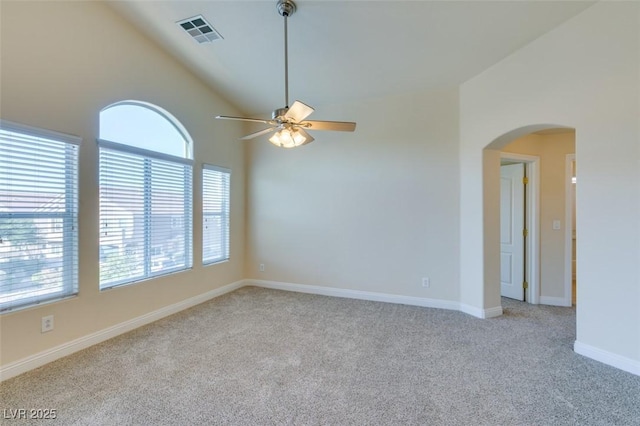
(552, 150)
(585, 74)
(61, 63)
(374, 210)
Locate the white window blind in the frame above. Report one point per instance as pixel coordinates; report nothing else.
(145, 214)
(38, 215)
(215, 209)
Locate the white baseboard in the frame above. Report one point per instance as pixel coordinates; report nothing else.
(481, 313)
(554, 301)
(623, 363)
(380, 297)
(34, 361)
(496, 311)
(357, 294)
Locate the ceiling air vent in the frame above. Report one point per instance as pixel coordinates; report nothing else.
(200, 29)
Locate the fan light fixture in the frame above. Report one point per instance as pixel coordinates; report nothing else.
(290, 124)
(288, 138)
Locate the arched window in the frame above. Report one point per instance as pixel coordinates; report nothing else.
(147, 126)
(145, 173)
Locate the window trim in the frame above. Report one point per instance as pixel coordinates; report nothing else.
(188, 230)
(227, 230)
(70, 285)
(166, 115)
(148, 156)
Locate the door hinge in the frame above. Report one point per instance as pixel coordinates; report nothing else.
(525, 285)
(525, 180)
(525, 233)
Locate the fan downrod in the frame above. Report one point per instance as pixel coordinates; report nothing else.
(286, 7)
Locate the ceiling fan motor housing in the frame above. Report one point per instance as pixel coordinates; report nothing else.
(280, 112)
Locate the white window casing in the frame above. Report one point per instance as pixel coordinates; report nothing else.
(38, 215)
(145, 180)
(215, 213)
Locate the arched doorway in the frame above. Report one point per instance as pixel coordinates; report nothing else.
(556, 239)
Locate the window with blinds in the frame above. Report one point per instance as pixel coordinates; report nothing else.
(38, 215)
(215, 214)
(145, 195)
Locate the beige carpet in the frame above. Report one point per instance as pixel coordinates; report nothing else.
(260, 357)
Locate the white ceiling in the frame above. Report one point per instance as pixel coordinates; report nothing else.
(342, 51)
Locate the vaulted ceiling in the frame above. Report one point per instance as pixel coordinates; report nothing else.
(342, 51)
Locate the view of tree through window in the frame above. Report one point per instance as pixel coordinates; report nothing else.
(145, 174)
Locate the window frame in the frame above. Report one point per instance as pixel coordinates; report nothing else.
(188, 146)
(225, 215)
(147, 157)
(69, 218)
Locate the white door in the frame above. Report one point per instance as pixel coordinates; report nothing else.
(511, 231)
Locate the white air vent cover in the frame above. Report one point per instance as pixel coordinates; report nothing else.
(200, 29)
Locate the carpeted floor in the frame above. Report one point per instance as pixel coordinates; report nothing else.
(258, 357)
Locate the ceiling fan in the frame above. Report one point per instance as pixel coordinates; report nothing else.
(289, 123)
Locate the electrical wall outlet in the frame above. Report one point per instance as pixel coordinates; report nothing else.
(262, 267)
(47, 323)
(426, 282)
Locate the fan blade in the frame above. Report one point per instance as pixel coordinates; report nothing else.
(259, 133)
(298, 111)
(341, 126)
(255, 120)
(305, 134)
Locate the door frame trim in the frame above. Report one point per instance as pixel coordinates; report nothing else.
(532, 170)
(568, 243)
